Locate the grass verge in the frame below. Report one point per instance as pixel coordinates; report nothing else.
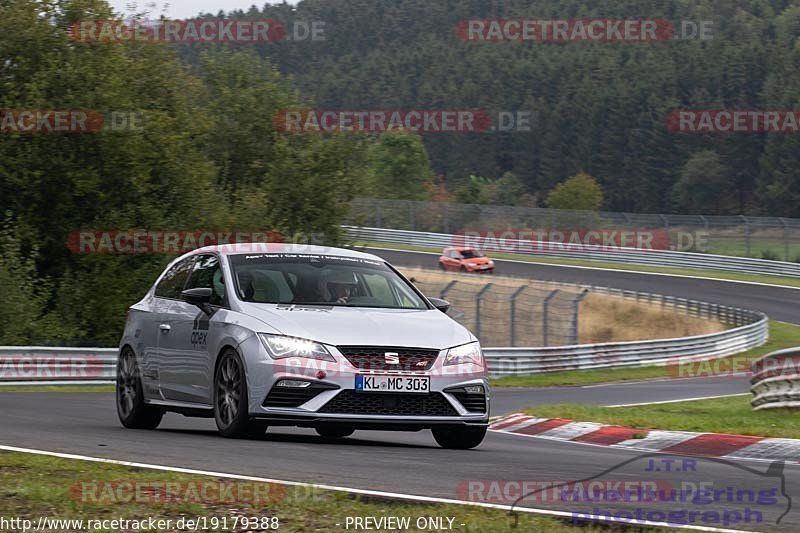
(696, 273)
(781, 335)
(33, 485)
(732, 415)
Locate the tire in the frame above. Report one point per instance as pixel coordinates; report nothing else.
(458, 437)
(334, 432)
(132, 411)
(463, 269)
(441, 266)
(230, 399)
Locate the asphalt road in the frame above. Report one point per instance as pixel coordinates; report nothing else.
(409, 463)
(779, 303)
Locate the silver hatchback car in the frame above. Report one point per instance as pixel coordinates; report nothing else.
(258, 335)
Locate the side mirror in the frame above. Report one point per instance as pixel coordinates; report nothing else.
(199, 297)
(440, 304)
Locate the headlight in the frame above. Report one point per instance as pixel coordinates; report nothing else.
(491, 262)
(467, 353)
(280, 347)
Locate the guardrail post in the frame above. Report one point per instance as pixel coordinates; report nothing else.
(545, 313)
(514, 314)
(478, 299)
(575, 305)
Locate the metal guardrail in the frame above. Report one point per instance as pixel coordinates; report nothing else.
(45, 365)
(776, 380)
(48, 365)
(586, 252)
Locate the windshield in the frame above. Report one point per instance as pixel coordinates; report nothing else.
(321, 280)
(471, 254)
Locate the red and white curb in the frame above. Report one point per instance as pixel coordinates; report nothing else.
(677, 442)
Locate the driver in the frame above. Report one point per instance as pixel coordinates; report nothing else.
(341, 286)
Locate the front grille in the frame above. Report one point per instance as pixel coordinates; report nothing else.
(374, 357)
(474, 403)
(294, 397)
(358, 403)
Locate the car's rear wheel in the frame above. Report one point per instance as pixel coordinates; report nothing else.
(334, 432)
(230, 399)
(459, 437)
(132, 410)
(463, 268)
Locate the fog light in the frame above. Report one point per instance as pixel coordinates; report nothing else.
(293, 384)
(474, 389)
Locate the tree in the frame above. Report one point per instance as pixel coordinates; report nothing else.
(580, 192)
(399, 166)
(704, 185)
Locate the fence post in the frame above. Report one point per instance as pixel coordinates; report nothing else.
(514, 314)
(478, 299)
(746, 235)
(545, 313)
(447, 288)
(575, 305)
(785, 238)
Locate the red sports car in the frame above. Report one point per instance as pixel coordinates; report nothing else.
(465, 259)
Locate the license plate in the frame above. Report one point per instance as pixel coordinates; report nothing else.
(393, 384)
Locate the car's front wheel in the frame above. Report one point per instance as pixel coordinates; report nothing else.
(459, 437)
(132, 410)
(230, 399)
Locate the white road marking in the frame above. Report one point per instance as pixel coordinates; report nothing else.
(679, 401)
(410, 497)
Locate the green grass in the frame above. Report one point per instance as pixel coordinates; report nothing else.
(35, 485)
(697, 273)
(732, 415)
(781, 335)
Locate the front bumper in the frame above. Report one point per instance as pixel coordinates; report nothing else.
(336, 381)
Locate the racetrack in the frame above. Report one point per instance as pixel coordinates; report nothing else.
(779, 303)
(411, 463)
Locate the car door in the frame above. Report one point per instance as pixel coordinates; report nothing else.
(185, 364)
(162, 303)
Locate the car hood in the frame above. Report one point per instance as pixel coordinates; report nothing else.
(343, 326)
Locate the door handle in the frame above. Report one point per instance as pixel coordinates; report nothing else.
(165, 328)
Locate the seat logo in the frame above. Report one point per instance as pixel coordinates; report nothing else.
(392, 358)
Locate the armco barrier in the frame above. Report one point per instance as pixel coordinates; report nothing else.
(586, 252)
(47, 365)
(776, 380)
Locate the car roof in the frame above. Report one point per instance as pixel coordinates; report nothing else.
(460, 248)
(280, 248)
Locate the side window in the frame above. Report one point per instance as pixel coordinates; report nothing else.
(173, 281)
(379, 288)
(207, 274)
